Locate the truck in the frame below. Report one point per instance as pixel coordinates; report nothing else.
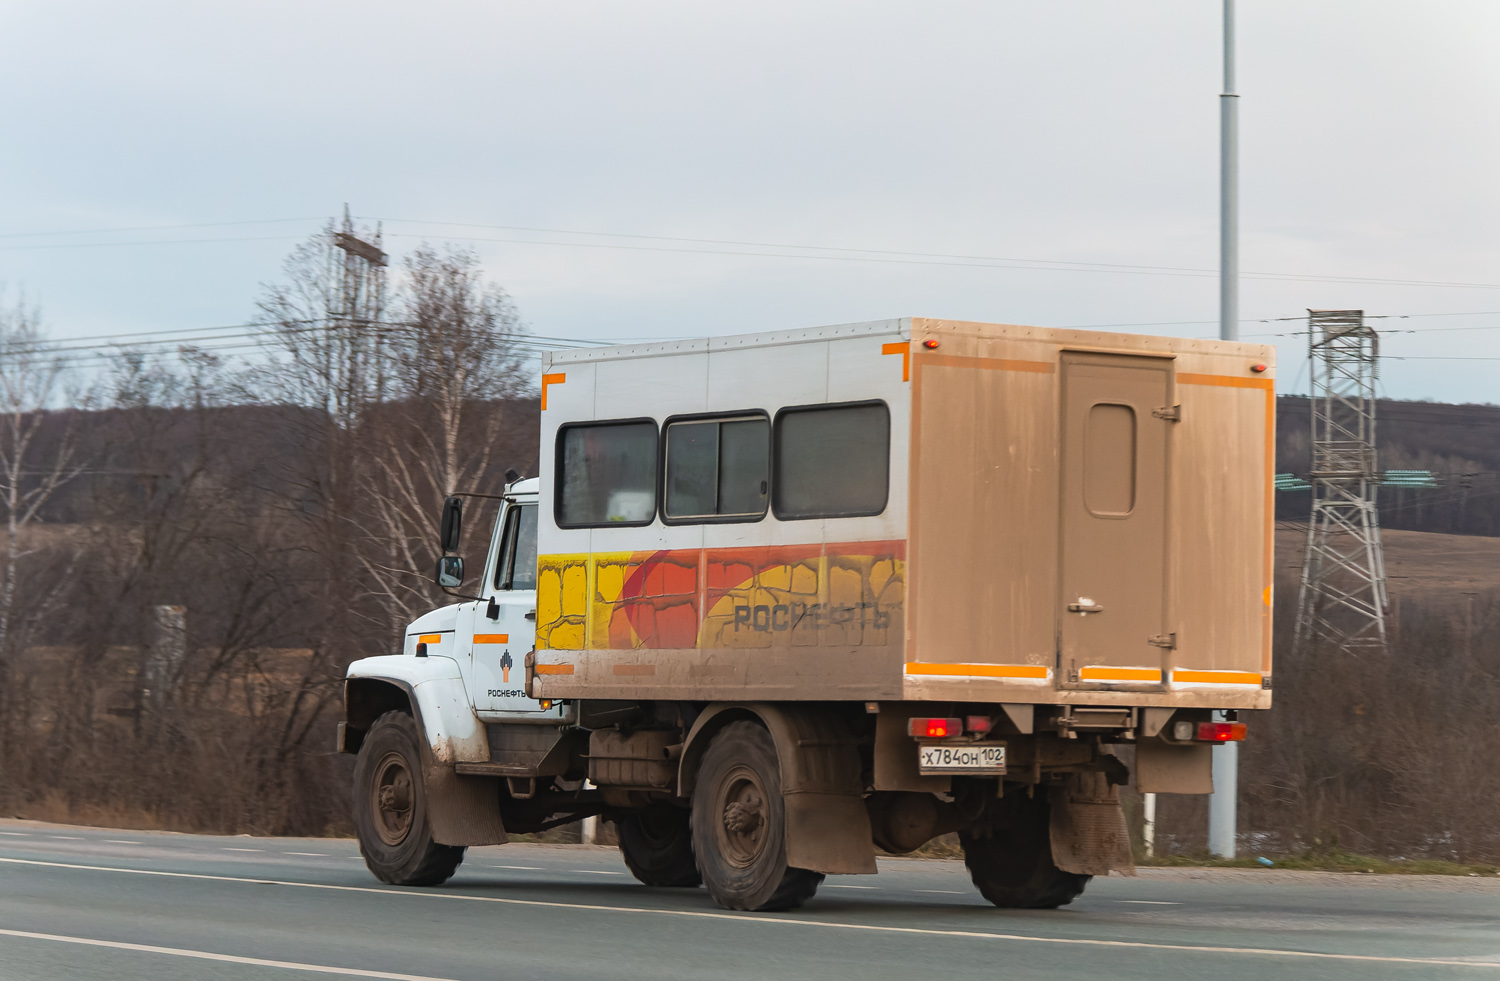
(777, 603)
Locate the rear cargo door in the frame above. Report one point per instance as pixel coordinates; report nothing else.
(1117, 414)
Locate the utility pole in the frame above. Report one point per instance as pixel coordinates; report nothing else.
(1223, 802)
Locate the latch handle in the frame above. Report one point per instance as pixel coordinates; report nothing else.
(1171, 413)
(1085, 608)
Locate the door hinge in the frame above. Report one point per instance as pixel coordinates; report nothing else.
(1168, 641)
(1171, 413)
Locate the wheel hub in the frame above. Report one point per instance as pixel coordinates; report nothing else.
(743, 818)
(392, 799)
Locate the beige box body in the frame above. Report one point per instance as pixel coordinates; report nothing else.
(1073, 517)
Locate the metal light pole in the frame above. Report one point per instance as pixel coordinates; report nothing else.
(1229, 190)
(1222, 804)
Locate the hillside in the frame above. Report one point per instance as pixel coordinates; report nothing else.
(1459, 443)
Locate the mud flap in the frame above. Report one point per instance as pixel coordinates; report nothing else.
(1162, 768)
(462, 810)
(829, 833)
(1088, 831)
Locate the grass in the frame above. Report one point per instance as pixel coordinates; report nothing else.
(1325, 860)
(1320, 860)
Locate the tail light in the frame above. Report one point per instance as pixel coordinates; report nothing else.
(935, 728)
(1221, 732)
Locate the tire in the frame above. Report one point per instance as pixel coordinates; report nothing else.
(390, 808)
(657, 844)
(739, 825)
(1009, 855)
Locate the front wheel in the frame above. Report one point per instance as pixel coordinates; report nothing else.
(657, 844)
(390, 808)
(739, 824)
(1009, 855)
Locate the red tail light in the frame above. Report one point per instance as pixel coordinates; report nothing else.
(1221, 732)
(978, 723)
(935, 728)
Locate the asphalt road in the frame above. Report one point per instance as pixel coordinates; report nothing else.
(102, 904)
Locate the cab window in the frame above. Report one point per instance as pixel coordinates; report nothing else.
(517, 566)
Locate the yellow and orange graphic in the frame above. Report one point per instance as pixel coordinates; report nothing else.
(846, 594)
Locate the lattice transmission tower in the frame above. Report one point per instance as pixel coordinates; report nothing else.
(1343, 598)
(355, 331)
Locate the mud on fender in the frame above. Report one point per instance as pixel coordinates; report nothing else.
(1087, 828)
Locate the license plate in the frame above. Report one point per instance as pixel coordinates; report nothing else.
(983, 758)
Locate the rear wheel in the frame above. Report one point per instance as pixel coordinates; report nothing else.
(657, 844)
(1009, 855)
(739, 824)
(390, 808)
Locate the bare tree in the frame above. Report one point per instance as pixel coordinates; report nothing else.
(455, 372)
(39, 452)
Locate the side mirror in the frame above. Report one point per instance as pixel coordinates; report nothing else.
(450, 571)
(452, 525)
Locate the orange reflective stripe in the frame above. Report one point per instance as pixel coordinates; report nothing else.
(1224, 381)
(1217, 677)
(492, 638)
(902, 348)
(554, 669)
(430, 639)
(556, 379)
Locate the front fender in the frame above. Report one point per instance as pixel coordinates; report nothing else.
(462, 810)
(439, 702)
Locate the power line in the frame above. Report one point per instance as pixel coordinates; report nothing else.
(154, 228)
(986, 263)
(160, 241)
(824, 252)
(255, 334)
(986, 260)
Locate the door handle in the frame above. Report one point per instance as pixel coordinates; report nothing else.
(1085, 606)
(531, 615)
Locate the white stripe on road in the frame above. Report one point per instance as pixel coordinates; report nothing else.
(205, 955)
(776, 921)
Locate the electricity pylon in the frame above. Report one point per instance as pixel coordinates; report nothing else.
(1343, 598)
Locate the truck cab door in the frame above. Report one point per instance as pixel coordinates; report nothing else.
(501, 642)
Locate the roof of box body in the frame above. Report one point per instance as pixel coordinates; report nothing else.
(729, 343)
(902, 326)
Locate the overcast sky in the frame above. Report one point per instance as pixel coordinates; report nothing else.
(1051, 130)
